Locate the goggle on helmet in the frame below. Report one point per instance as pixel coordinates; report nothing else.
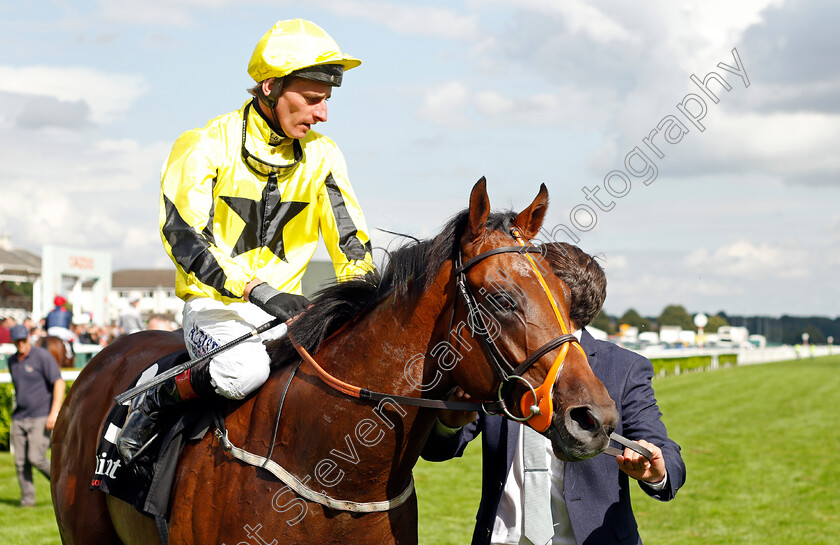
(300, 48)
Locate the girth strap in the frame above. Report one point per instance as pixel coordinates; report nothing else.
(304, 491)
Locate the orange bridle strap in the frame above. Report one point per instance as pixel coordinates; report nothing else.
(541, 420)
(336, 384)
(538, 409)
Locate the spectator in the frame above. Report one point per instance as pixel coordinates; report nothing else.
(89, 335)
(588, 501)
(130, 320)
(39, 391)
(37, 332)
(32, 327)
(5, 326)
(159, 322)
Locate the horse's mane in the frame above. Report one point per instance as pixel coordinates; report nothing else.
(407, 274)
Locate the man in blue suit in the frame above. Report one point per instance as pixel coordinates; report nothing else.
(590, 500)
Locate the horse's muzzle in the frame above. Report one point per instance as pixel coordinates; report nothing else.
(582, 431)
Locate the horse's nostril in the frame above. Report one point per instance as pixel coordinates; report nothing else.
(584, 418)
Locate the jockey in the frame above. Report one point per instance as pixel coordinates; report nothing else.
(242, 203)
(57, 323)
(59, 319)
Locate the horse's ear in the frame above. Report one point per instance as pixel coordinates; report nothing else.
(479, 210)
(530, 220)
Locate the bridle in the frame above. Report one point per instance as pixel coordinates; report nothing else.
(536, 403)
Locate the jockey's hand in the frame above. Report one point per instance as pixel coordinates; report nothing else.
(281, 305)
(457, 419)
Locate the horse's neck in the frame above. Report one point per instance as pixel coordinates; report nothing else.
(386, 351)
(356, 450)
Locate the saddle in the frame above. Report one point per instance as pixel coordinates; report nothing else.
(147, 483)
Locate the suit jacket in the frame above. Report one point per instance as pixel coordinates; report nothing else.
(597, 493)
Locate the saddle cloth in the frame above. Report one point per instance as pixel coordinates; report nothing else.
(147, 483)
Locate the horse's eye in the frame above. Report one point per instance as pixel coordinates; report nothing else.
(502, 302)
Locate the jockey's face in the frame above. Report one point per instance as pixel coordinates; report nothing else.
(302, 103)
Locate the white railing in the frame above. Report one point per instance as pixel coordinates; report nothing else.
(86, 351)
(746, 356)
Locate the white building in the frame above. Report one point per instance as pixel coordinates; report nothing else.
(670, 334)
(16, 267)
(94, 293)
(732, 336)
(155, 289)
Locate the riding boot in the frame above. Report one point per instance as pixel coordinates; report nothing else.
(147, 411)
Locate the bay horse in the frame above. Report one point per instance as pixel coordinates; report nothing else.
(447, 312)
(57, 347)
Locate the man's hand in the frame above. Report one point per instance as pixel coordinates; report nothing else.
(637, 466)
(281, 305)
(457, 419)
(51, 418)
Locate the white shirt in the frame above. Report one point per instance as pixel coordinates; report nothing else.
(507, 529)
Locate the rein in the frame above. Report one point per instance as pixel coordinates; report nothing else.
(367, 395)
(536, 403)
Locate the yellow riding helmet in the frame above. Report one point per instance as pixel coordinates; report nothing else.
(298, 45)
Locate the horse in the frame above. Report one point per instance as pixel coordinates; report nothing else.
(448, 312)
(57, 347)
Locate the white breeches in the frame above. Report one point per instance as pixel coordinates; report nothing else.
(208, 324)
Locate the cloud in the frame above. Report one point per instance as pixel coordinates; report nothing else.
(39, 113)
(619, 69)
(411, 19)
(799, 148)
(613, 262)
(77, 189)
(446, 105)
(457, 104)
(582, 19)
(795, 43)
(742, 278)
(750, 261)
(73, 91)
(175, 13)
(653, 279)
(788, 50)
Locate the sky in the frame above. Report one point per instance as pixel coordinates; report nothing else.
(723, 195)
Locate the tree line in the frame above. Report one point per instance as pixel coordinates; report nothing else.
(785, 330)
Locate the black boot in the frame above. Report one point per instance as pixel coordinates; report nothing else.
(147, 411)
(144, 416)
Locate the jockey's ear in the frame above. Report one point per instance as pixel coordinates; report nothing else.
(478, 212)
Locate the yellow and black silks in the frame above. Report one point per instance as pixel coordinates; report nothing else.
(227, 216)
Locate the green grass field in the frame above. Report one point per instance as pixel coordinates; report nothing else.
(759, 443)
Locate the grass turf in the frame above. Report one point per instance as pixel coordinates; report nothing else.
(758, 441)
(29, 525)
(760, 446)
